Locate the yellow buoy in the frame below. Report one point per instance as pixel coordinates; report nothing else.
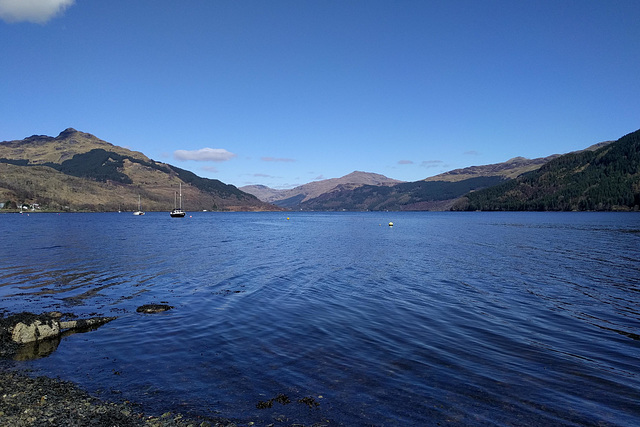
(390, 224)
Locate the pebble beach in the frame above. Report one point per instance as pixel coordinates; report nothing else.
(42, 401)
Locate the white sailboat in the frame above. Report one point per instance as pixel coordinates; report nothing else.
(177, 212)
(139, 211)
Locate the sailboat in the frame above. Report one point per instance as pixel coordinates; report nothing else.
(177, 212)
(139, 211)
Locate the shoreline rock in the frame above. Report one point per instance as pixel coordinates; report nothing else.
(45, 327)
(25, 336)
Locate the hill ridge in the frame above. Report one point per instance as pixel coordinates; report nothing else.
(305, 192)
(603, 177)
(79, 171)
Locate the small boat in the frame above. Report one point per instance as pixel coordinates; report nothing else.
(177, 212)
(139, 211)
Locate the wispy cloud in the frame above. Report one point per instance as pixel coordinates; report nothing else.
(204, 155)
(210, 169)
(405, 162)
(472, 153)
(431, 163)
(37, 11)
(276, 159)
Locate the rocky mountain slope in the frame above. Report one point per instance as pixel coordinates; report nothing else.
(510, 169)
(77, 171)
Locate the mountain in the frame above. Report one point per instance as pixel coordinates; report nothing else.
(293, 197)
(509, 169)
(361, 191)
(440, 192)
(77, 171)
(407, 196)
(604, 178)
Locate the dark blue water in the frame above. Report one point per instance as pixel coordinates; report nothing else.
(463, 318)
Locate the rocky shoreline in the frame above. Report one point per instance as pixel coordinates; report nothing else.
(34, 401)
(41, 401)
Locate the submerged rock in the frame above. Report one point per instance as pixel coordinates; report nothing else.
(153, 308)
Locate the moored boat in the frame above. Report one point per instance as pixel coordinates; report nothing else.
(139, 211)
(177, 211)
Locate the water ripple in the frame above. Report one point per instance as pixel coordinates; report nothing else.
(527, 319)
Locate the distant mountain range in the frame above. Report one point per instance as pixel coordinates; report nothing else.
(296, 196)
(76, 171)
(366, 191)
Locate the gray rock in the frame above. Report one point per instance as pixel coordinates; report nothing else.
(35, 331)
(33, 328)
(153, 308)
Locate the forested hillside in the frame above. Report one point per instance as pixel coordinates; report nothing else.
(420, 195)
(605, 179)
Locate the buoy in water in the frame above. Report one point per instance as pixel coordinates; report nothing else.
(390, 224)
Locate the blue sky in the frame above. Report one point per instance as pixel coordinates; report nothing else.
(282, 93)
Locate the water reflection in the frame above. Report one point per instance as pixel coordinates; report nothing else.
(37, 349)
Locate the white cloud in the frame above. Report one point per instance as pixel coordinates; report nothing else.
(276, 159)
(38, 11)
(431, 163)
(405, 162)
(204, 155)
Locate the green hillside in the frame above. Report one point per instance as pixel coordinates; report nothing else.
(605, 179)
